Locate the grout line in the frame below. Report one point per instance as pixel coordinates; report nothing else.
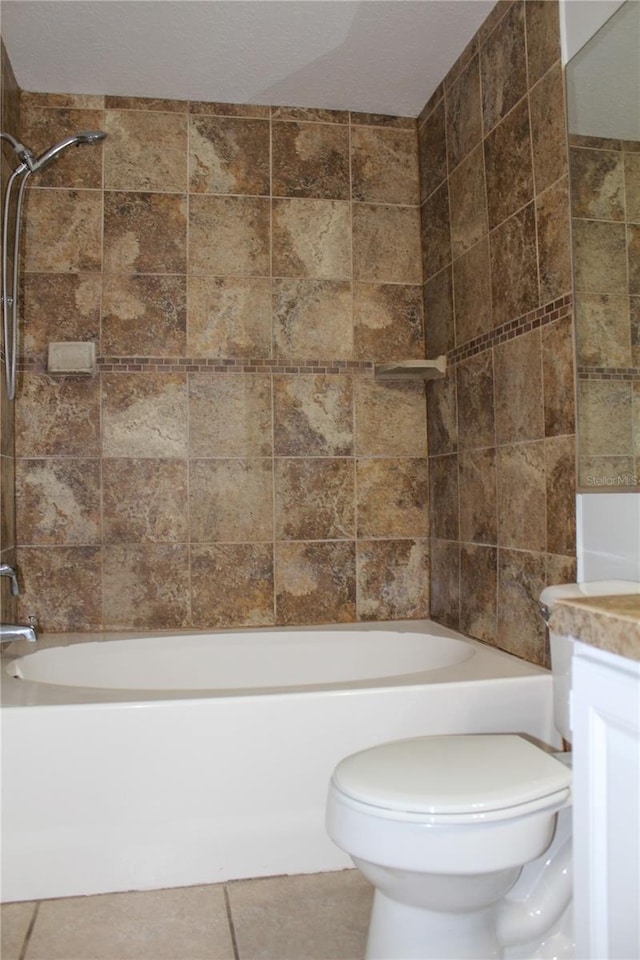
(232, 930)
(27, 936)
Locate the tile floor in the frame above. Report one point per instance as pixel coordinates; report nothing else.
(320, 916)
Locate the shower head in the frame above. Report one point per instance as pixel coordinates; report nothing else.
(85, 136)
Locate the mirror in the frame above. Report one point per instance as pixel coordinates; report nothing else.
(603, 104)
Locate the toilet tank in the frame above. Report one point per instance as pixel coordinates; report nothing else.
(562, 646)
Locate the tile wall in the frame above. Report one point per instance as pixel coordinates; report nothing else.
(233, 461)
(605, 206)
(497, 293)
(9, 122)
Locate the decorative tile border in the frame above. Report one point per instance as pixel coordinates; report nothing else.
(217, 365)
(608, 373)
(540, 317)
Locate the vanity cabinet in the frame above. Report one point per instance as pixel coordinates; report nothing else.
(606, 748)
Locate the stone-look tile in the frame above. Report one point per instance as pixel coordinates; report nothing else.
(560, 570)
(514, 272)
(543, 36)
(387, 322)
(144, 316)
(384, 165)
(145, 585)
(554, 241)
(313, 415)
(603, 330)
(558, 377)
(79, 101)
(522, 496)
(521, 577)
(599, 257)
(47, 572)
(62, 231)
(228, 155)
(560, 468)
(439, 325)
(393, 579)
(442, 415)
(163, 924)
(464, 114)
(240, 226)
(232, 585)
(382, 120)
(386, 243)
(632, 185)
(635, 331)
(509, 169)
(468, 203)
(58, 501)
(312, 318)
(145, 501)
(633, 257)
(611, 474)
(478, 504)
(77, 310)
(310, 160)
(302, 917)
(42, 126)
(478, 587)
(518, 389)
(311, 238)
(144, 233)
(58, 418)
(503, 67)
(314, 499)
(215, 109)
(444, 522)
(228, 317)
(7, 507)
(393, 498)
(605, 425)
(445, 582)
(144, 415)
(475, 389)
(548, 129)
(597, 184)
(145, 150)
(310, 114)
(230, 500)
(436, 231)
(230, 416)
(432, 146)
(472, 286)
(391, 418)
(315, 582)
(146, 103)
(16, 920)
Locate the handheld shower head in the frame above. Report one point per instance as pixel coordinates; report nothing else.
(85, 136)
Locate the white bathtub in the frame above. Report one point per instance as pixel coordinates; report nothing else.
(159, 761)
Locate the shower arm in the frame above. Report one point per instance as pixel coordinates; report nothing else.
(10, 298)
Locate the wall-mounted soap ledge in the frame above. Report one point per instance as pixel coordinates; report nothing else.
(72, 356)
(411, 369)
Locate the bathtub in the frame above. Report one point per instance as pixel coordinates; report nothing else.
(157, 760)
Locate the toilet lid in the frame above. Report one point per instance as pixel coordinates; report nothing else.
(472, 774)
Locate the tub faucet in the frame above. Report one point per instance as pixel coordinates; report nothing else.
(16, 631)
(6, 570)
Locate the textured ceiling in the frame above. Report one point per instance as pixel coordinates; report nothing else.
(380, 56)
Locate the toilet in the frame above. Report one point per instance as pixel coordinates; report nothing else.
(466, 839)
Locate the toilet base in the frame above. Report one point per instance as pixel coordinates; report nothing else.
(398, 930)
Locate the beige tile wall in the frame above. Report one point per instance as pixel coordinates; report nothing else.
(605, 206)
(497, 288)
(9, 108)
(233, 462)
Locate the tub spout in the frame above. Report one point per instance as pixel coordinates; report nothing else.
(16, 631)
(6, 570)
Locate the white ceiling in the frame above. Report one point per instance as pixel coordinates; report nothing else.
(378, 56)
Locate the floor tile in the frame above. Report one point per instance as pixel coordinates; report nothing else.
(313, 917)
(181, 924)
(16, 918)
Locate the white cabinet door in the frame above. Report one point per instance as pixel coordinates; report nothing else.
(606, 768)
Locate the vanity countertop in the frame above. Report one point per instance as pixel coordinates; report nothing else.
(611, 623)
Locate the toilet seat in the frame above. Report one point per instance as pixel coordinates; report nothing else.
(453, 779)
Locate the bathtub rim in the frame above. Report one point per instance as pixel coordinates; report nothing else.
(485, 663)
